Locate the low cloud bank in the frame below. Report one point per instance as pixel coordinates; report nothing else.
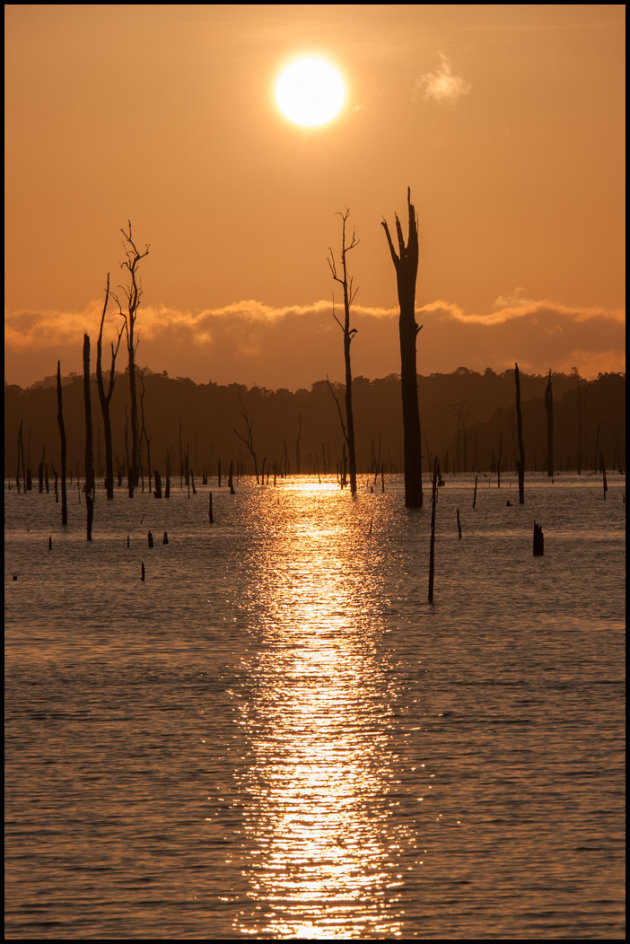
(293, 346)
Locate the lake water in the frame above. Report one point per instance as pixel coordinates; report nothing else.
(276, 735)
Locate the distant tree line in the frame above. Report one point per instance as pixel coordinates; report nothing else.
(468, 422)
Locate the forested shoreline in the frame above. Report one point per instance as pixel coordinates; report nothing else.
(468, 422)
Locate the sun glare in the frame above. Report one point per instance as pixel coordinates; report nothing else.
(310, 92)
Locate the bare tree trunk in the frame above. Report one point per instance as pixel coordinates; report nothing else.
(89, 449)
(434, 493)
(549, 409)
(499, 458)
(406, 265)
(133, 295)
(579, 419)
(520, 462)
(62, 435)
(349, 295)
(106, 396)
(603, 468)
(249, 441)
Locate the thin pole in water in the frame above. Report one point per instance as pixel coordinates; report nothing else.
(436, 469)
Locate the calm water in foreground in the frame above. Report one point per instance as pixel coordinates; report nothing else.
(276, 735)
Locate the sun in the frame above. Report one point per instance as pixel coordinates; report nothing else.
(310, 92)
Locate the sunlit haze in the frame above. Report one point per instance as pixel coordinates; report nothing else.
(506, 121)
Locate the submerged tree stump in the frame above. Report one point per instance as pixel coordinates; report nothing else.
(539, 541)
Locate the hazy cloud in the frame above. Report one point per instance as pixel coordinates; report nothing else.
(294, 346)
(442, 85)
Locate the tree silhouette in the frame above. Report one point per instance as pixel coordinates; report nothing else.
(549, 411)
(89, 450)
(406, 265)
(349, 294)
(133, 294)
(105, 396)
(520, 462)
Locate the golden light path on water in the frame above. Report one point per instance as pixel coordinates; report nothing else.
(323, 853)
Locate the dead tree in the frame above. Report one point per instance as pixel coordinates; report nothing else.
(520, 462)
(105, 396)
(143, 430)
(549, 410)
(133, 294)
(434, 494)
(89, 449)
(499, 459)
(579, 421)
(406, 265)
(62, 435)
(249, 440)
(349, 294)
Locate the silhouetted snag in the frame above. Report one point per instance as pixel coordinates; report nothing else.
(50, 543)
(150, 539)
(499, 457)
(143, 432)
(142, 572)
(89, 456)
(230, 480)
(158, 484)
(579, 421)
(106, 396)
(475, 492)
(520, 462)
(165, 538)
(406, 265)
(297, 444)
(549, 411)
(167, 476)
(539, 541)
(434, 494)
(349, 295)
(249, 441)
(210, 516)
(603, 468)
(128, 543)
(133, 294)
(459, 527)
(19, 454)
(62, 435)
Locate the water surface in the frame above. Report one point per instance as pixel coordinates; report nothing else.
(276, 735)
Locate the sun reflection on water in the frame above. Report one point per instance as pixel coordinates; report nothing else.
(322, 852)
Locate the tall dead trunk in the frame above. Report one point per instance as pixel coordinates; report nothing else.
(549, 410)
(106, 396)
(499, 459)
(89, 447)
(406, 265)
(133, 294)
(434, 493)
(579, 422)
(349, 295)
(62, 435)
(520, 462)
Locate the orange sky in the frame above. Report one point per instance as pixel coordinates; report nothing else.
(507, 122)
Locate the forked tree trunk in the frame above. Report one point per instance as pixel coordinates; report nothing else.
(406, 265)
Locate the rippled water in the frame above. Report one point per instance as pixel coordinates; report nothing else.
(276, 735)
